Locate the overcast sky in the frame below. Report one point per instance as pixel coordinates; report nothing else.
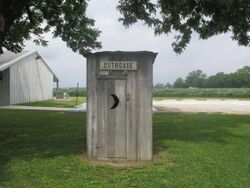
(214, 55)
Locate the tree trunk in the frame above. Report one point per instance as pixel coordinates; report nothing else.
(1, 44)
(2, 24)
(1, 41)
(8, 16)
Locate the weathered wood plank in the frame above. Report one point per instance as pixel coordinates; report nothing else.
(132, 99)
(144, 82)
(110, 128)
(101, 120)
(120, 128)
(91, 108)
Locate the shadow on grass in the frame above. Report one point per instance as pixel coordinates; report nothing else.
(32, 134)
(28, 134)
(195, 128)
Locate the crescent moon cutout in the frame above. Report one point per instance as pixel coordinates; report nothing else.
(116, 101)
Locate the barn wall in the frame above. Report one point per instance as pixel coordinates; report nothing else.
(30, 80)
(5, 89)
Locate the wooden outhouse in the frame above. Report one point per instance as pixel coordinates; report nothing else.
(119, 105)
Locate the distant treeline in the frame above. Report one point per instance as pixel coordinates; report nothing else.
(72, 91)
(182, 92)
(198, 79)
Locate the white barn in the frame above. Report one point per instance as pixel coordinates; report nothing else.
(25, 77)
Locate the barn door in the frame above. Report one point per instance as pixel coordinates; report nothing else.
(111, 123)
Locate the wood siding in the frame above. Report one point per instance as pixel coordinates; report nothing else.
(30, 80)
(134, 120)
(5, 88)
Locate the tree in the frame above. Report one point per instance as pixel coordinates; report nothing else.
(179, 83)
(196, 79)
(159, 86)
(238, 79)
(20, 19)
(220, 80)
(243, 76)
(207, 18)
(168, 85)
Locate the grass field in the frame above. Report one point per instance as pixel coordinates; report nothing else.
(69, 103)
(48, 149)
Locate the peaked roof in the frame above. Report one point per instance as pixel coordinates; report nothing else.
(153, 54)
(9, 58)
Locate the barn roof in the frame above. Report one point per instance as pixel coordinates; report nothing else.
(9, 58)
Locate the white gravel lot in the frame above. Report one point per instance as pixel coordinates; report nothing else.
(171, 105)
(228, 106)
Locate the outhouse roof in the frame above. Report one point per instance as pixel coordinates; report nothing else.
(154, 54)
(8, 58)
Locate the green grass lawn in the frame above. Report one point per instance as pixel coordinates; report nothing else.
(48, 149)
(69, 103)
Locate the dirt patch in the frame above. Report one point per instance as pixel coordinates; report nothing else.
(160, 157)
(116, 163)
(227, 106)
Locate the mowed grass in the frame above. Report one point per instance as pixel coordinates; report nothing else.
(69, 103)
(48, 149)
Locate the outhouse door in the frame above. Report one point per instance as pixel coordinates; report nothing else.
(111, 124)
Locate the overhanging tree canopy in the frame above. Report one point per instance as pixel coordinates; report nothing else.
(19, 19)
(205, 17)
